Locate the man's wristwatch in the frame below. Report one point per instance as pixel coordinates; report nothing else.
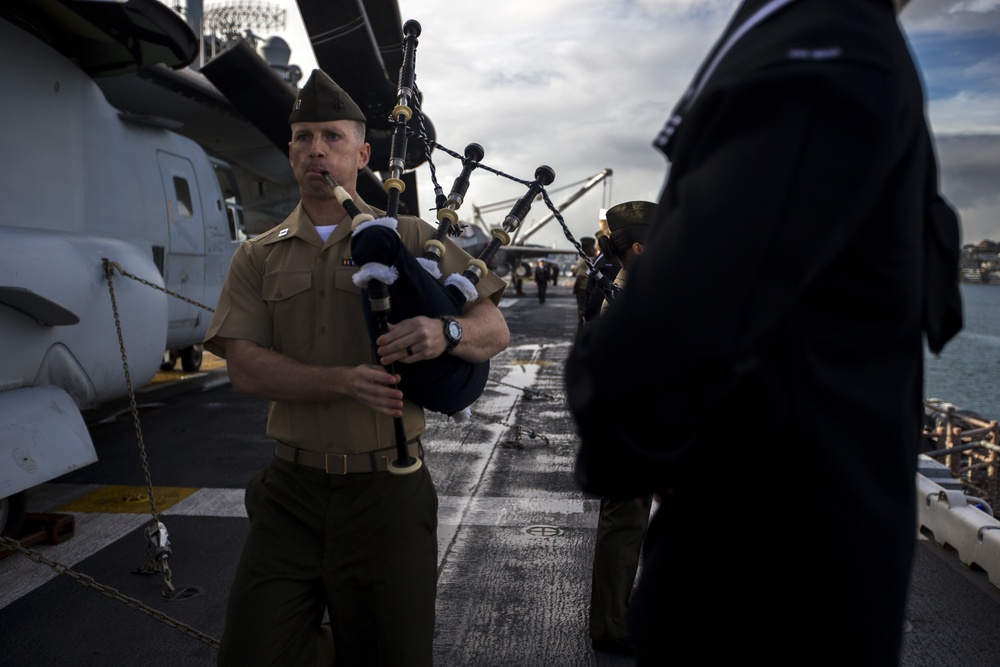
(452, 332)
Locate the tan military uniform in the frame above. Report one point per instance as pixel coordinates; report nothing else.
(362, 547)
(580, 273)
(290, 292)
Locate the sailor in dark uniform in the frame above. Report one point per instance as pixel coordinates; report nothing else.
(771, 391)
(581, 277)
(621, 522)
(609, 265)
(541, 274)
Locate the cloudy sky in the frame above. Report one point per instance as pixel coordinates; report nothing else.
(584, 85)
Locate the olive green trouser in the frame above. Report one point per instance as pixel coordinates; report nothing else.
(361, 546)
(620, 528)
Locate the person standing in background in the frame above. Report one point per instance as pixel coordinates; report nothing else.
(541, 279)
(580, 274)
(621, 523)
(609, 265)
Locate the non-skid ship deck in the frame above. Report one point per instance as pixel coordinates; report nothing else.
(515, 536)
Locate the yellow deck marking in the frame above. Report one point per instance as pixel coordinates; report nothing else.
(174, 376)
(209, 362)
(128, 499)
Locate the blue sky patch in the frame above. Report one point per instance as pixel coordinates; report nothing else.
(952, 64)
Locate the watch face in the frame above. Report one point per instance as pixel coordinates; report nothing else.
(454, 331)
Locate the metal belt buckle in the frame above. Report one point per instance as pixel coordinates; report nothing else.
(343, 459)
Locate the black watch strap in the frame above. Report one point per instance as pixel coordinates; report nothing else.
(451, 338)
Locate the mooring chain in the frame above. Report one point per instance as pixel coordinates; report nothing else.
(108, 591)
(157, 542)
(529, 393)
(517, 428)
(147, 283)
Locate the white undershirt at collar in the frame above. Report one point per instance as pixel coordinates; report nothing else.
(324, 231)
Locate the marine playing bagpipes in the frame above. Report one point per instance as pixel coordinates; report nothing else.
(396, 285)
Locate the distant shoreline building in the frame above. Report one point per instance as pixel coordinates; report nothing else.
(980, 263)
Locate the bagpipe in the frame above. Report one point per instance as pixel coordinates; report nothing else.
(397, 285)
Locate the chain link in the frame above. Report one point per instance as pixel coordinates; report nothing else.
(158, 545)
(145, 282)
(529, 393)
(516, 443)
(109, 591)
(157, 560)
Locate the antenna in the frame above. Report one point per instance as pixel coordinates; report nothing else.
(225, 22)
(231, 20)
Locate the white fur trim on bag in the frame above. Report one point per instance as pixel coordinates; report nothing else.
(430, 266)
(464, 286)
(375, 271)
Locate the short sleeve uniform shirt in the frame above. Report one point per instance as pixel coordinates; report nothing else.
(290, 292)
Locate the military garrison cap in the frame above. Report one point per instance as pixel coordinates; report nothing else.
(321, 99)
(630, 213)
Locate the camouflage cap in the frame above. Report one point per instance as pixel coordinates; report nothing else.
(630, 213)
(321, 99)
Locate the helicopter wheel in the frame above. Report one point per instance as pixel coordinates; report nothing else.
(191, 358)
(169, 360)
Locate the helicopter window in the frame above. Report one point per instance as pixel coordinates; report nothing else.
(237, 229)
(183, 194)
(231, 195)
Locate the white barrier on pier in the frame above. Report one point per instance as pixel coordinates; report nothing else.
(950, 517)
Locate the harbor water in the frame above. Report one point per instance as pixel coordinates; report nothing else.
(968, 371)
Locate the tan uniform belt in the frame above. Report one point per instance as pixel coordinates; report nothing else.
(342, 464)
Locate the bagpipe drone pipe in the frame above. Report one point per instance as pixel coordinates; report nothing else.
(397, 285)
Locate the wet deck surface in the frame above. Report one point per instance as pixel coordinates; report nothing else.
(515, 537)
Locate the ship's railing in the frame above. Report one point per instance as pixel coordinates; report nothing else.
(967, 443)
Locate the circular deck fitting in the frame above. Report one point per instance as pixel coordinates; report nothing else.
(542, 531)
